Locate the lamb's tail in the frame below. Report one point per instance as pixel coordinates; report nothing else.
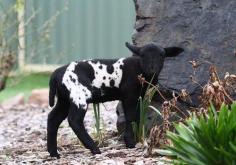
(52, 90)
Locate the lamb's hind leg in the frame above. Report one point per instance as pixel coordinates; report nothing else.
(76, 118)
(55, 118)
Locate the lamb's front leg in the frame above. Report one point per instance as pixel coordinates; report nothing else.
(131, 115)
(76, 118)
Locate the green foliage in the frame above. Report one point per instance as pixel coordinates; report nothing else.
(206, 140)
(140, 131)
(96, 109)
(14, 27)
(8, 29)
(19, 5)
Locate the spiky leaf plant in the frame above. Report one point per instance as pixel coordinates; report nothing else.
(205, 140)
(140, 131)
(96, 109)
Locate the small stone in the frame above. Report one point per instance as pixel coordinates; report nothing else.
(139, 145)
(111, 162)
(140, 162)
(39, 97)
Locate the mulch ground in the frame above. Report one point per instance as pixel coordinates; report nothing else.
(23, 140)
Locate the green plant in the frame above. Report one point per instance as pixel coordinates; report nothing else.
(140, 131)
(96, 109)
(209, 139)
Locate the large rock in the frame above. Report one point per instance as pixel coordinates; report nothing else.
(204, 28)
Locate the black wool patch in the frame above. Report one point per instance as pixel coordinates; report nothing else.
(100, 67)
(104, 77)
(110, 69)
(90, 73)
(112, 83)
(72, 79)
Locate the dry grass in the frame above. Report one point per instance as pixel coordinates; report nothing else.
(216, 91)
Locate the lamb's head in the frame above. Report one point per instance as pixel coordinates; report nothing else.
(152, 56)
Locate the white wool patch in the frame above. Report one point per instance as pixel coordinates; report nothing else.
(78, 93)
(103, 77)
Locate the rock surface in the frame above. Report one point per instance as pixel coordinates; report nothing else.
(204, 28)
(23, 140)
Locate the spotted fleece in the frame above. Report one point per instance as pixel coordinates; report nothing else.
(80, 93)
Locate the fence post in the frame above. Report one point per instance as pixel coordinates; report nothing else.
(21, 35)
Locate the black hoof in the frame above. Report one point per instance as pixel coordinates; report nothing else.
(55, 155)
(95, 151)
(130, 145)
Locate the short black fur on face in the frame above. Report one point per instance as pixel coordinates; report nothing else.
(153, 56)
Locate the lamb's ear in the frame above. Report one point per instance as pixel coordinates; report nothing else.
(173, 51)
(133, 48)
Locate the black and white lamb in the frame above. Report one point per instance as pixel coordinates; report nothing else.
(99, 80)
